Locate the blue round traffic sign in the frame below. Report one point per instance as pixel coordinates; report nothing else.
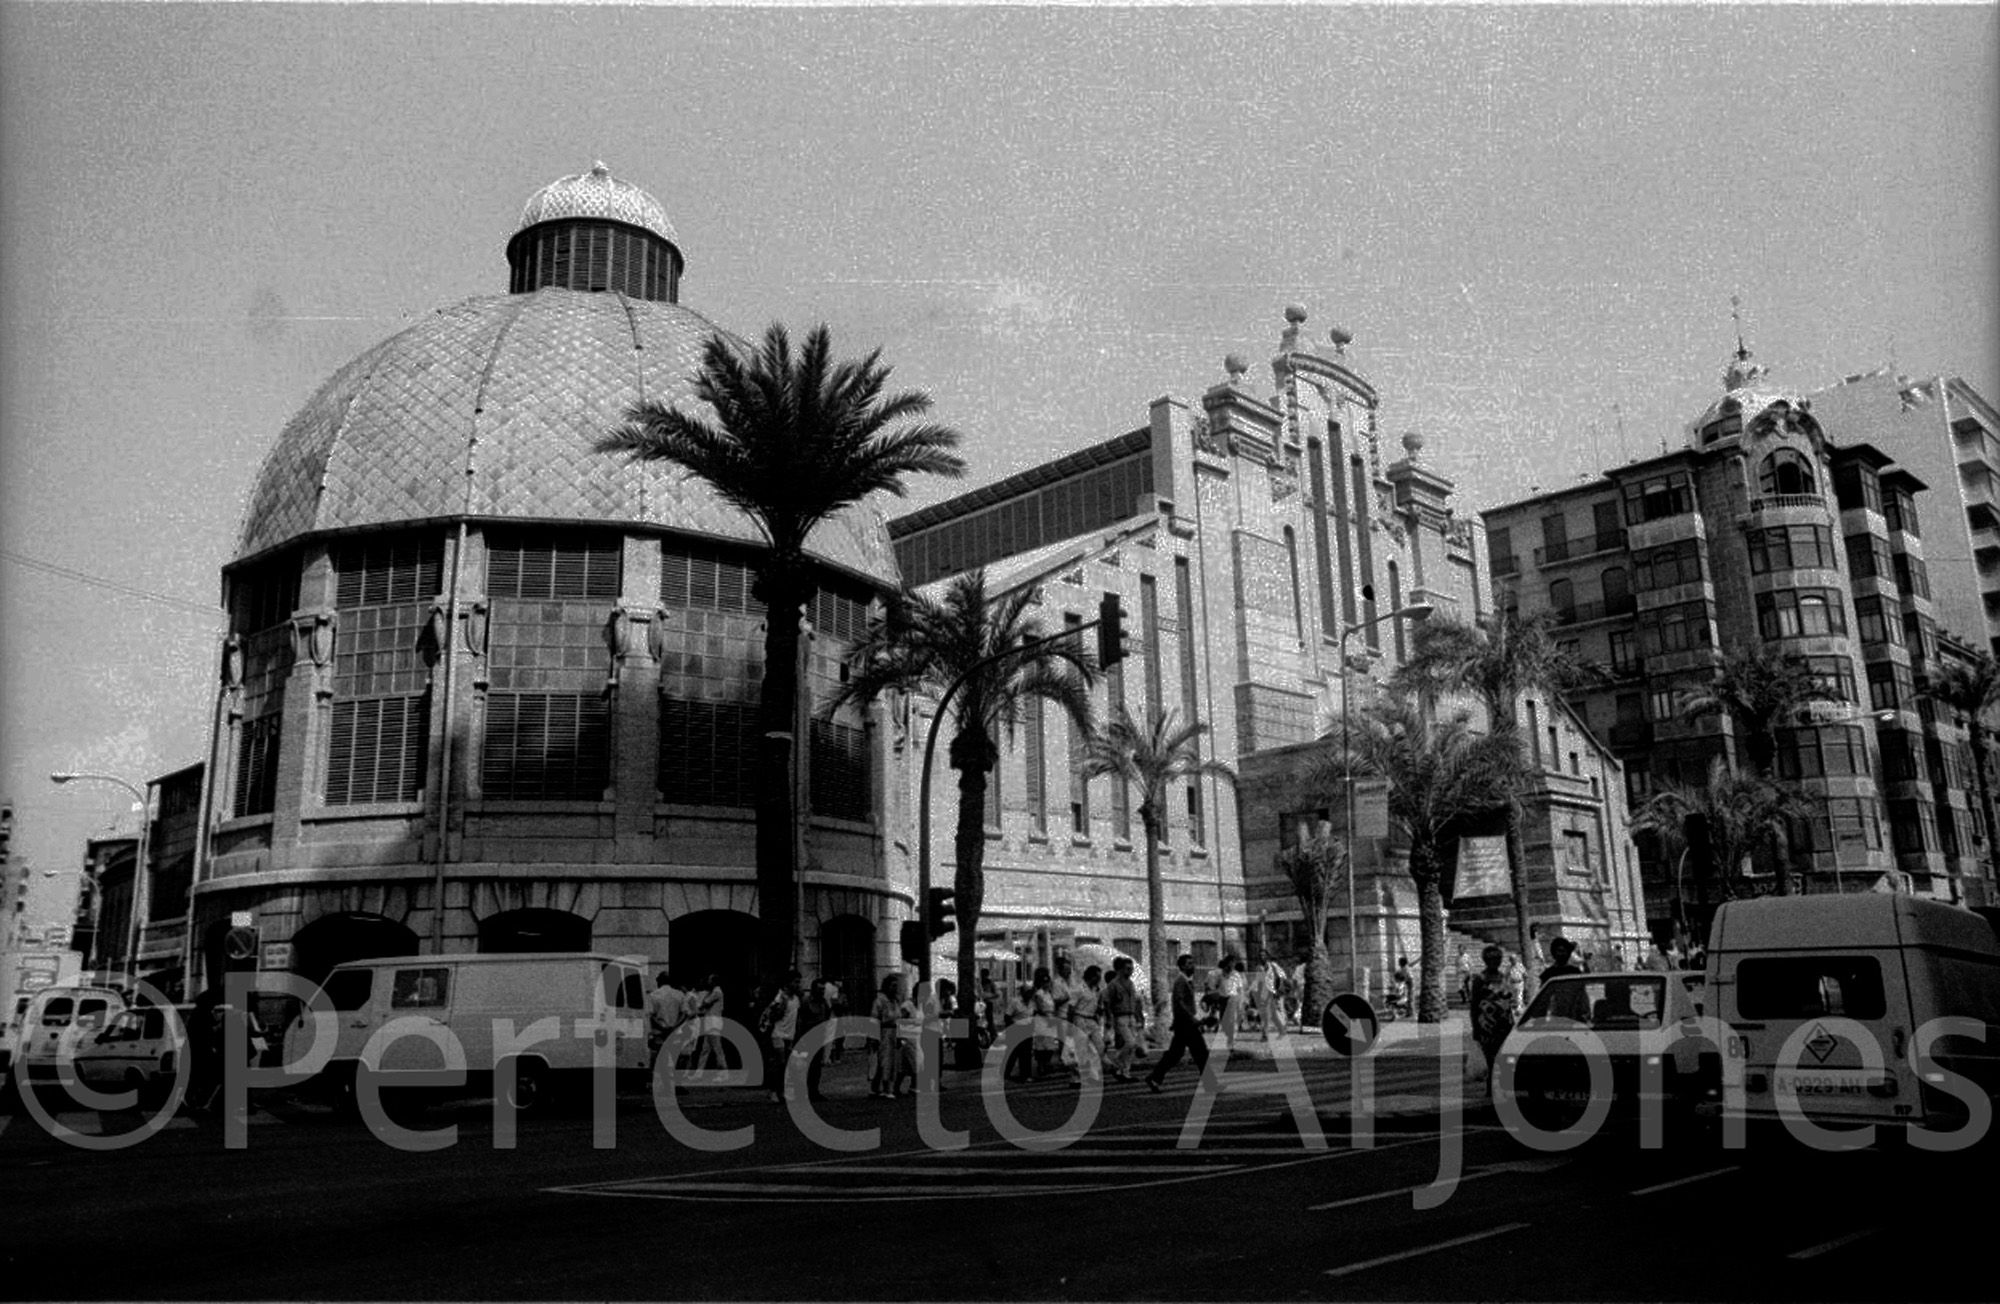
(1349, 1024)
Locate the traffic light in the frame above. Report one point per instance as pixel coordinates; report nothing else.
(1110, 632)
(939, 913)
(915, 944)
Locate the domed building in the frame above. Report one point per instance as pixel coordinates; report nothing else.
(488, 689)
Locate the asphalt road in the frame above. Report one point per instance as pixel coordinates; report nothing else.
(314, 1207)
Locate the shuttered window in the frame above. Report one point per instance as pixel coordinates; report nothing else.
(839, 772)
(708, 753)
(546, 747)
(548, 566)
(404, 568)
(257, 765)
(709, 580)
(376, 750)
(840, 616)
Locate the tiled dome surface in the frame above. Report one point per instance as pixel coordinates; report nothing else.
(387, 439)
(597, 193)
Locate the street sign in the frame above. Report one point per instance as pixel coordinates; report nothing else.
(242, 918)
(240, 944)
(1371, 809)
(57, 935)
(277, 955)
(1349, 1024)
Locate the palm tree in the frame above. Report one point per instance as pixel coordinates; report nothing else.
(1972, 689)
(1758, 687)
(1444, 779)
(1497, 659)
(790, 441)
(1150, 757)
(1313, 867)
(925, 644)
(1741, 814)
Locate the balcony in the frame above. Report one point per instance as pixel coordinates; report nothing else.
(1578, 549)
(1582, 613)
(1785, 502)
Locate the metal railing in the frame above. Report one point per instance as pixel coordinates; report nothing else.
(1582, 613)
(1578, 549)
(1774, 502)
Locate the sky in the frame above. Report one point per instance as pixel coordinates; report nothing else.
(1532, 220)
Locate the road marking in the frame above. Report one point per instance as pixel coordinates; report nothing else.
(678, 1190)
(1683, 1181)
(1030, 1169)
(1424, 1249)
(1817, 1250)
(1384, 1195)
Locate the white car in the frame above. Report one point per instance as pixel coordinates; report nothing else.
(141, 1051)
(1642, 1020)
(60, 1021)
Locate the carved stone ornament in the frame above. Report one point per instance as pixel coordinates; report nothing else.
(656, 635)
(1207, 439)
(312, 638)
(232, 661)
(477, 620)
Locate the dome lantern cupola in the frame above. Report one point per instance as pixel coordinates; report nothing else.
(592, 231)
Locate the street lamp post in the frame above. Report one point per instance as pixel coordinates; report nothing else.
(1415, 611)
(138, 868)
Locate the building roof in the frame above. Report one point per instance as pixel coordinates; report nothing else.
(597, 193)
(1111, 450)
(516, 388)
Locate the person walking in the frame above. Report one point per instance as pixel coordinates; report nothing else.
(780, 1025)
(911, 1015)
(1232, 987)
(888, 1006)
(1402, 988)
(1020, 1012)
(708, 1031)
(1562, 950)
(1188, 1038)
(1121, 1003)
(814, 1010)
(1043, 998)
(1492, 1003)
(663, 1014)
(1087, 1018)
(1062, 990)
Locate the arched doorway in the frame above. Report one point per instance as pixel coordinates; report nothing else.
(513, 931)
(847, 955)
(348, 935)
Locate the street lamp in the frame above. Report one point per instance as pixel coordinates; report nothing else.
(138, 866)
(1415, 611)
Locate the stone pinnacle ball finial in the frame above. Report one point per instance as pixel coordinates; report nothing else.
(1341, 337)
(1295, 313)
(1237, 366)
(1413, 444)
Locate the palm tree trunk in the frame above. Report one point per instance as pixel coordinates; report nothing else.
(968, 882)
(1517, 879)
(1430, 932)
(1762, 747)
(777, 841)
(1978, 733)
(1156, 917)
(1321, 981)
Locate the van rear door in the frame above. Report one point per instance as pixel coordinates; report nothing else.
(622, 1004)
(1819, 998)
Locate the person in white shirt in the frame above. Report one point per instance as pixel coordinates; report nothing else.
(663, 1014)
(780, 1022)
(1231, 988)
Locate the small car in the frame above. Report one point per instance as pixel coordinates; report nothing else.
(140, 1051)
(1644, 1021)
(59, 1022)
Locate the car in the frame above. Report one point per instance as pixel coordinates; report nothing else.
(141, 1050)
(58, 1022)
(1645, 1022)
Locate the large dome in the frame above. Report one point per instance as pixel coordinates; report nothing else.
(597, 193)
(517, 388)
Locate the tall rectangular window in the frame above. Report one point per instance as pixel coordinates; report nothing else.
(1364, 547)
(1037, 767)
(1184, 604)
(546, 747)
(261, 601)
(1344, 538)
(1149, 616)
(708, 753)
(377, 739)
(1322, 552)
(837, 772)
(1197, 825)
(548, 725)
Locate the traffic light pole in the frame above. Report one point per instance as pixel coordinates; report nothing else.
(1108, 609)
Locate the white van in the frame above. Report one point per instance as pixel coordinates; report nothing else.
(463, 995)
(59, 1022)
(1814, 969)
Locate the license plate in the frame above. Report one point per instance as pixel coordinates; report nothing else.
(1840, 1086)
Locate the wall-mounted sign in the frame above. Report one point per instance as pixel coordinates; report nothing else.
(277, 955)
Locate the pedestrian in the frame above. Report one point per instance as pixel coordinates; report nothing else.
(1517, 976)
(992, 1012)
(1402, 988)
(888, 1002)
(814, 1010)
(1042, 995)
(1020, 1013)
(1188, 1038)
(1562, 949)
(1492, 1005)
(1466, 969)
(1122, 1019)
(663, 1014)
(1660, 961)
(780, 1025)
(708, 1009)
(1231, 987)
(1087, 1022)
(1062, 990)
(911, 1014)
(204, 1031)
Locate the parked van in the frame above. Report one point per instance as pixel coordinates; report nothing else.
(60, 1021)
(1780, 967)
(463, 995)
